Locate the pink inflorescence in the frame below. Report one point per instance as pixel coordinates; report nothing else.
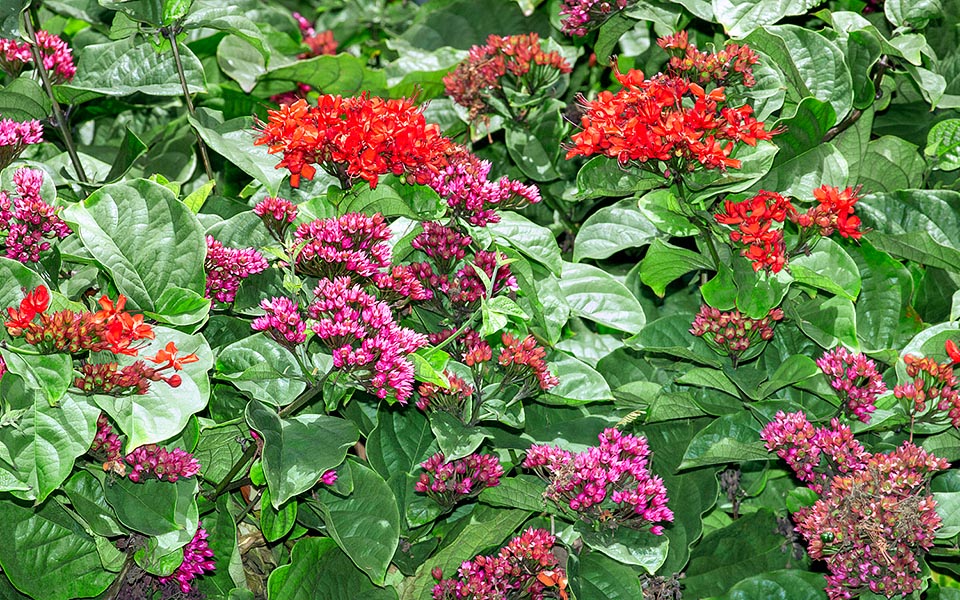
(815, 454)
(399, 285)
(583, 16)
(57, 57)
(107, 444)
(354, 244)
(27, 221)
(468, 288)
(15, 137)
(523, 363)
(872, 525)
(445, 245)
(733, 333)
(365, 339)
(447, 483)
(197, 560)
(609, 485)
(276, 214)
(471, 196)
(166, 465)
(329, 477)
(517, 571)
(282, 321)
(855, 378)
(227, 267)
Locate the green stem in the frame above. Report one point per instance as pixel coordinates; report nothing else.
(58, 115)
(246, 457)
(171, 34)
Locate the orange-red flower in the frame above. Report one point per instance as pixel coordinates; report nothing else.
(169, 356)
(34, 303)
(834, 212)
(754, 218)
(952, 351)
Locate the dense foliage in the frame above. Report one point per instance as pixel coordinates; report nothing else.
(479, 299)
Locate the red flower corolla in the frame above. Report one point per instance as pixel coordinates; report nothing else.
(665, 119)
(834, 212)
(169, 358)
(355, 138)
(952, 351)
(754, 218)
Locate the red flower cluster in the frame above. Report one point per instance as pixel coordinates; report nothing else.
(719, 68)
(355, 138)
(109, 329)
(754, 218)
(524, 568)
(834, 212)
(524, 364)
(667, 119)
(934, 383)
(515, 62)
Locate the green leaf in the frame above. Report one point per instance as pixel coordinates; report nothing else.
(23, 99)
(579, 382)
(912, 13)
(730, 438)
(628, 546)
(671, 335)
(319, 570)
(828, 267)
(918, 225)
(827, 321)
(890, 164)
(614, 228)
(230, 18)
(163, 411)
(48, 374)
(455, 439)
(740, 17)
(609, 34)
(665, 263)
(146, 238)
(276, 523)
(18, 281)
(709, 378)
(341, 74)
(523, 491)
(533, 241)
(124, 67)
(131, 148)
(46, 554)
(400, 442)
(47, 440)
(485, 528)
(791, 584)
(536, 149)
(465, 23)
(394, 198)
(365, 524)
(156, 508)
(882, 321)
(943, 144)
(749, 546)
(603, 176)
(87, 498)
(593, 294)
(298, 450)
(263, 368)
(593, 576)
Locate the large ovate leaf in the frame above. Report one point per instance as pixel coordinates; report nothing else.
(124, 67)
(534, 241)
(614, 228)
(400, 442)
(298, 450)
(46, 554)
(740, 17)
(365, 524)
(319, 570)
(262, 368)
(594, 576)
(24, 99)
(828, 267)
(146, 238)
(731, 438)
(48, 374)
(157, 508)
(593, 294)
(789, 584)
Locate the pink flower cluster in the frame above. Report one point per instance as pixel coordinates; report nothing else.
(166, 465)
(276, 214)
(468, 288)
(354, 244)
(933, 391)
(855, 378)
(15, 137)
(609, 485)
(57, 57)
(227, 267)
(446, 246)
(26, 220)
(580, 17)
(447, 483)
(452, 399)
(733, 333)
(523, 363)
(282, 321)
(400, 284)
(197, 560)
(525, 568)
(365, 339)
(873, 526)
(816, 455)
(470, 195)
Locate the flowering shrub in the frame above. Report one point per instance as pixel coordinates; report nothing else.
(475, 299)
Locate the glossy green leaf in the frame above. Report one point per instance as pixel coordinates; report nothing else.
(789, 584)
(341, 74)
(827, 322)
(365, 524)
(262, 368)
(533, 241)
(455, 439)
(523, 491)
(400, 442)
(298, 450)
(319, 570)
(614, 228)
(276, 523)
(740, 17)
(671, 335)
(593, 294)
(603, 176)
(593, 576)
(536, 148)
(49, 374)
(24, 99)
(731, 438)
(828, 267)
(890, 164)
(147, 239)
(156, 508)
(629, 546)
(912, 13)
(45, 442)
(46, 554)
(124, 67)
(579, 382)
(918, 225)
(943, 144)
(665, 263)
(882, 321)
(393, 198)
